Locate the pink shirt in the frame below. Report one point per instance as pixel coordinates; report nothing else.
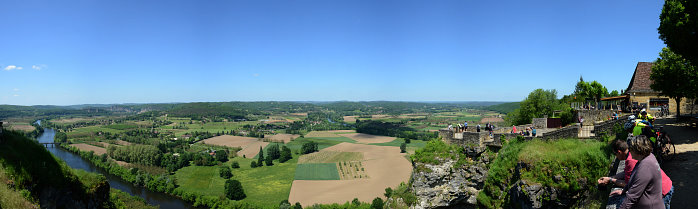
(629, 166)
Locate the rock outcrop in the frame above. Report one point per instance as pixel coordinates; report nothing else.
(443, 185)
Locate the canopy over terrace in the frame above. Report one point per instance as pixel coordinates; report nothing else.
(613, 103)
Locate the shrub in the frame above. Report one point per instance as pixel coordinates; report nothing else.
(377, 203)
(403, 148)
(224, 172)
(268, 161)
(233, 190)
(235, 164)
(253, 164)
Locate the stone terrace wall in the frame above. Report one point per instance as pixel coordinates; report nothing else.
(592, 116)
(607, 126)
(540, 123)
(570, 131)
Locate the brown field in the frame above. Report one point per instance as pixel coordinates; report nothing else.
(304, 114)
(385, 166)
(491, 120)
(22, 127)
(72, 120)
(250, 146)
(368, 138)
(87, 147)
(121, 142)
(379, 116)
(350, 119)
(282, 137)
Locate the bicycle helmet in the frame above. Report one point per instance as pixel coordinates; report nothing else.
(631, 117)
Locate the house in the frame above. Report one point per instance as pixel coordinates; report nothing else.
(639, 93)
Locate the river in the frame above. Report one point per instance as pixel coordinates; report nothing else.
(75, 161)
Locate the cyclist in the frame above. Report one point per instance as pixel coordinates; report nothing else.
(645, 116)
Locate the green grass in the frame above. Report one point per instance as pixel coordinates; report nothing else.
(573, 159)
(317, 171)
(297, 143)
(397, 142)
(262, 185)
(337, 139)
(121, 126)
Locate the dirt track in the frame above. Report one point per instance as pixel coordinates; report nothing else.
(684, 168)
(385, 167)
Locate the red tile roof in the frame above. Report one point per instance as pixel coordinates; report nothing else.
(641, 79)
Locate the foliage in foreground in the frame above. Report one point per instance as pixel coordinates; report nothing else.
(571, 159)
(436, 151)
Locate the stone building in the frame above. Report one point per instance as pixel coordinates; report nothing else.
(640, 94)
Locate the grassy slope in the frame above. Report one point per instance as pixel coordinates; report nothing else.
(263, 185)
(26, 163)
(572, 159)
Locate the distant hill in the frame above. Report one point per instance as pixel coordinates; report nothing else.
(504, 108)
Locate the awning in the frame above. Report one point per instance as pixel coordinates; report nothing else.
(622, 97)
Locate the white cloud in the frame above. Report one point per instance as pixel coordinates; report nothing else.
(39, 67)
(13, 67)
(16, 95)
(15, 89)
(255, 75)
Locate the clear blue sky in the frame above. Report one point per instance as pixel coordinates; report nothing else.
(138, 51)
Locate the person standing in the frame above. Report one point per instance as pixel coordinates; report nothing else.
(478, 128)
(644, 190)
(465, 126)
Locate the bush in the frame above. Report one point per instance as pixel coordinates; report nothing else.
(233, 190)
(235, 164)
(253, 164)
(377, 203)
(309, 147)
(403, 148)
(222, 156)
(268, 161)
(285, 154)
(224, 172)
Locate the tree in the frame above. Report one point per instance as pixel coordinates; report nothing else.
(408, 140)
(260, 157)
(224, 172)
(235, 164)
(614, 93)
(253, 164)
(285, 154)
(309, 147)
(377, 203)
(222, 156)
(674, 76)
(356, 202)
(403, 148)
(233, 190)
(678, 27)
(274, 151)
(297, 206)
(268, 161)
(388, 192)
(538, 104)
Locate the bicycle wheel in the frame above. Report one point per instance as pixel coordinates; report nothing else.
(668, 149)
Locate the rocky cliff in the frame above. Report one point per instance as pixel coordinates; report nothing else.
(446, 185)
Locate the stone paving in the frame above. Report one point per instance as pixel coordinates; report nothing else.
(586, 132)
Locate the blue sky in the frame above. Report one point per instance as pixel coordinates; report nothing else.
(135, 51)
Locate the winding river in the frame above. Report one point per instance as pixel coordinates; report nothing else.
(75, 161)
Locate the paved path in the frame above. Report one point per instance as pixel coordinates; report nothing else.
(586, 132)
(683, 170)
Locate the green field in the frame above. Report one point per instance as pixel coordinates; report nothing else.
(262, 185)
(317, 171)
(297, 143)
(397, 142)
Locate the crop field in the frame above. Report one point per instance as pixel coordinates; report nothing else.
(350, 119)
(368, 138)
(317, 171)
(330, 157)
(87, 147)
(322, 134)
(351, 170)
(285, 138)
(383, 166)
(22, 127)
(250, 146)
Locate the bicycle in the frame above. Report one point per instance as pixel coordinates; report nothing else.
(665, 149)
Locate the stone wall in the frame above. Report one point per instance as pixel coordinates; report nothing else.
(593, 116)
(570, 131)
(607, 126)
(540, 123)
